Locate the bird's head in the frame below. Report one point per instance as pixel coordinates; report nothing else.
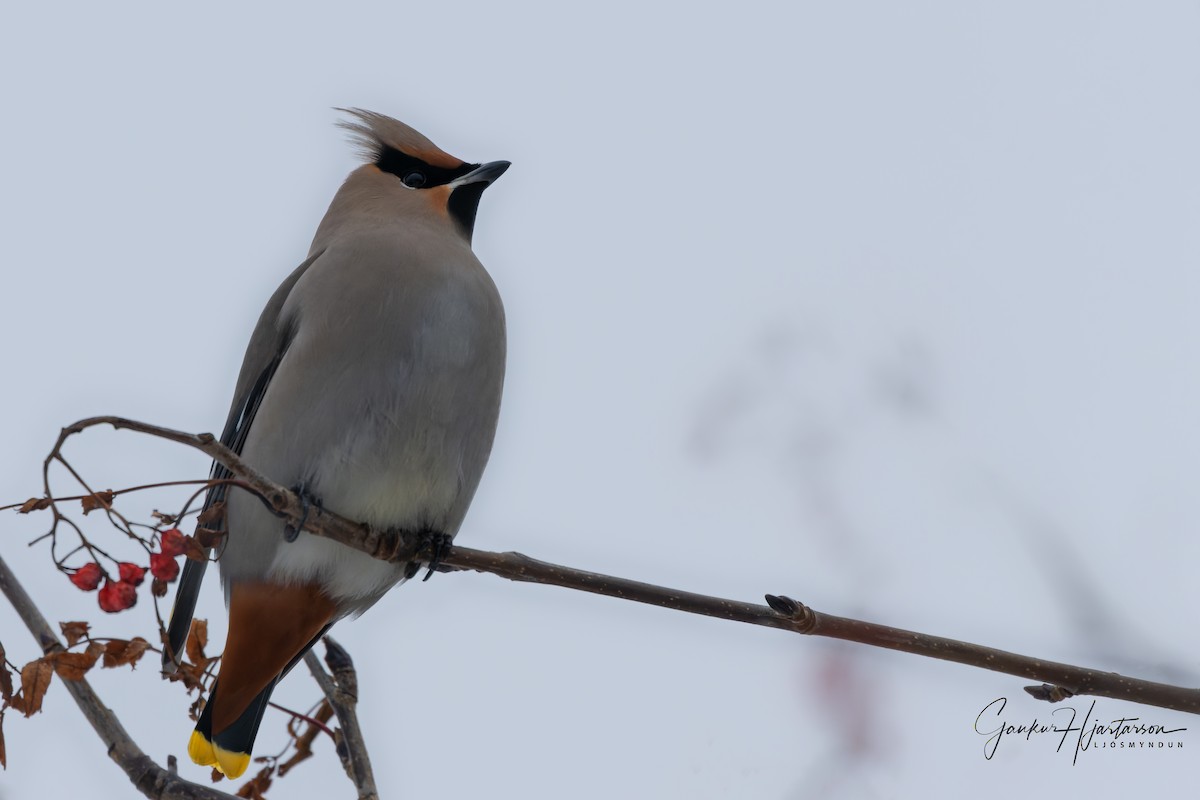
(407, 171)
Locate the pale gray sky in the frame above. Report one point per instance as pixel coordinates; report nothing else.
(888, 307)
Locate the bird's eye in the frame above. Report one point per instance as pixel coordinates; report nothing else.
(414, 180)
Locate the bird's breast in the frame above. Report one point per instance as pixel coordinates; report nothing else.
(384, 406)
(405, 360)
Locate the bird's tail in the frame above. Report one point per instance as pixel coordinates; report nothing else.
(229, 750)
(271, 627)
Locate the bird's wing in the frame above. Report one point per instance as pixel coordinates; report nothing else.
(267, 346)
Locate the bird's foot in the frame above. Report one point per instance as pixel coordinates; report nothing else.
(307, 503)
(433, 544)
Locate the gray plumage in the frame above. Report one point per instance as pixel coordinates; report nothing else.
(372, 382)
(385, 402)
(373, 378)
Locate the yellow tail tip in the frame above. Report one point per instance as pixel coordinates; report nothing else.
(231, 763)
(207, 754)
(201, 750)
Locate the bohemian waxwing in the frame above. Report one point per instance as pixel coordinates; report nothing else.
(372, 382)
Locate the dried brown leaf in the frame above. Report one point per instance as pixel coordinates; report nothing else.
(119, 652)
(34, 504)
(208, 537)
(73, 666)
(192, 675)
(35, 680)
(193, 549)
(168, 519)
(196, 640)
(213, 513)
(6, 689)
(303, 743)
(195, 708)
(254, 788)
(74, 631)
(101, 500)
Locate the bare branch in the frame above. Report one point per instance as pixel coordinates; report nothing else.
(341, 691)
(786, 614)
(147, 777)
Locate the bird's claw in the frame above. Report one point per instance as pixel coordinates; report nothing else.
(307, 502)
(433, 543)
(439, 545)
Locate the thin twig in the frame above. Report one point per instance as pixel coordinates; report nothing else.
(204, 483)
(298, 717)
(302, 743)
(787, 614)
(341, 690)
(147, 777)
(378, 544)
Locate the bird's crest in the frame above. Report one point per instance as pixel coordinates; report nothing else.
(375, 134)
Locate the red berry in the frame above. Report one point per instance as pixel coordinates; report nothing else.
(172, 542)
(117, 596)
(164, 567)
(87, 577)
(132, 573)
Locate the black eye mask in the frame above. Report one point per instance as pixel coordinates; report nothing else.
(423, 176)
